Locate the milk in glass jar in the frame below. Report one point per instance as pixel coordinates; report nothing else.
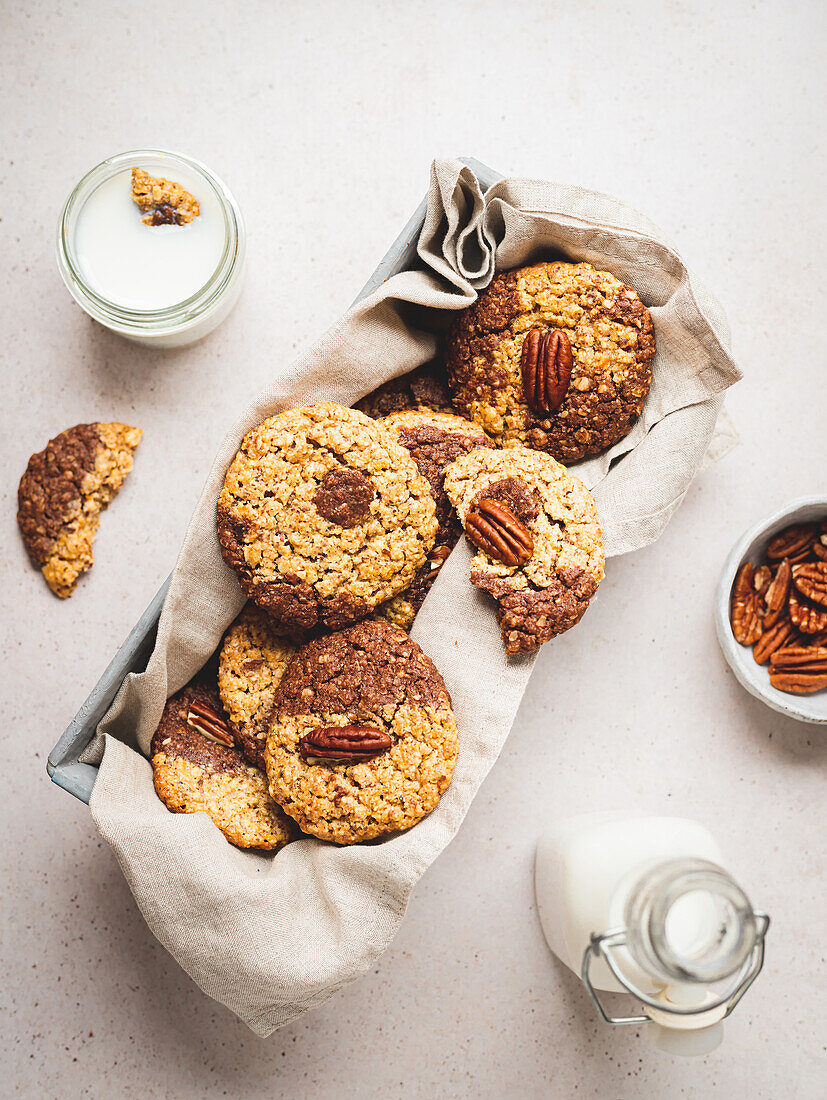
(645, 905)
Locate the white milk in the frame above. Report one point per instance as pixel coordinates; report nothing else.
(589, 876)
(146, 267)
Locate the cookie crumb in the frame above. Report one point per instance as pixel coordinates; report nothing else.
(166, 202)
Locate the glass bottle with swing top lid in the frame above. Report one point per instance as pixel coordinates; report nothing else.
(644, 905)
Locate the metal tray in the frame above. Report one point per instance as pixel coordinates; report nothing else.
(63, 765)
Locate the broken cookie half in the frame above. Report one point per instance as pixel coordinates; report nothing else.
(64, 490)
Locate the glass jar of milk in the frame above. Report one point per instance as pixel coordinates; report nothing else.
(644, 905)
(163, 285)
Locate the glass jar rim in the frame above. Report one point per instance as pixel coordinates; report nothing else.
(180, 315)
(651, 901)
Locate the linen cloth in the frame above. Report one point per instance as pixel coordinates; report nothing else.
(272, 936)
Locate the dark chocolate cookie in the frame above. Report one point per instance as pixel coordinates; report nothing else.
(425, 389)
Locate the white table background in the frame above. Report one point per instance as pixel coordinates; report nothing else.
(323, 118)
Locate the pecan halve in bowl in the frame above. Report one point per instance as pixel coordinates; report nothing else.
(772, 648)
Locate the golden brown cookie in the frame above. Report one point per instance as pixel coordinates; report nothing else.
(362, 739)
(63, 492)
(194, 773)
(493, 378)
(323, 516)
(164, 202)
(425, 389)
(254, 656)
(539, 550)
(434, 440)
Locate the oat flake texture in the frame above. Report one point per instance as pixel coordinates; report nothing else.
(317, 916)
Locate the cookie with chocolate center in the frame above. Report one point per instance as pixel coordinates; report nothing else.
(588, 396)
(61, 495)
(362, 739)
(434, 440)
(323, 516)
(539, 548)
(254, 656)
(194, 773)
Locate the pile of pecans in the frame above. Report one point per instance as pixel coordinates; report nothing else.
(780, 608)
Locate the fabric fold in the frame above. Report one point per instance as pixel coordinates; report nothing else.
(453, 240)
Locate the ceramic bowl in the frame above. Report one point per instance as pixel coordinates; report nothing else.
(755, 678)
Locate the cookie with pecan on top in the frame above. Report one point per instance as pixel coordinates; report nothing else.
(196, 769)
(362, 739)
(61, 495)
(538, 540)
(556, 356)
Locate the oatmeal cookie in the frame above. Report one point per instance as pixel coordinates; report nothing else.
(193, 774)
(323, 516)
(425, 389)
(165, 202)
(254, 656)
(612, 344)
(372, 676)
(63, 492)
(434, 440)
(549, 592)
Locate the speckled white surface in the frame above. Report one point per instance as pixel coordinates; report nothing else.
(705, 116)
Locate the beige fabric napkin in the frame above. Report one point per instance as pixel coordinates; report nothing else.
(271, 937)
